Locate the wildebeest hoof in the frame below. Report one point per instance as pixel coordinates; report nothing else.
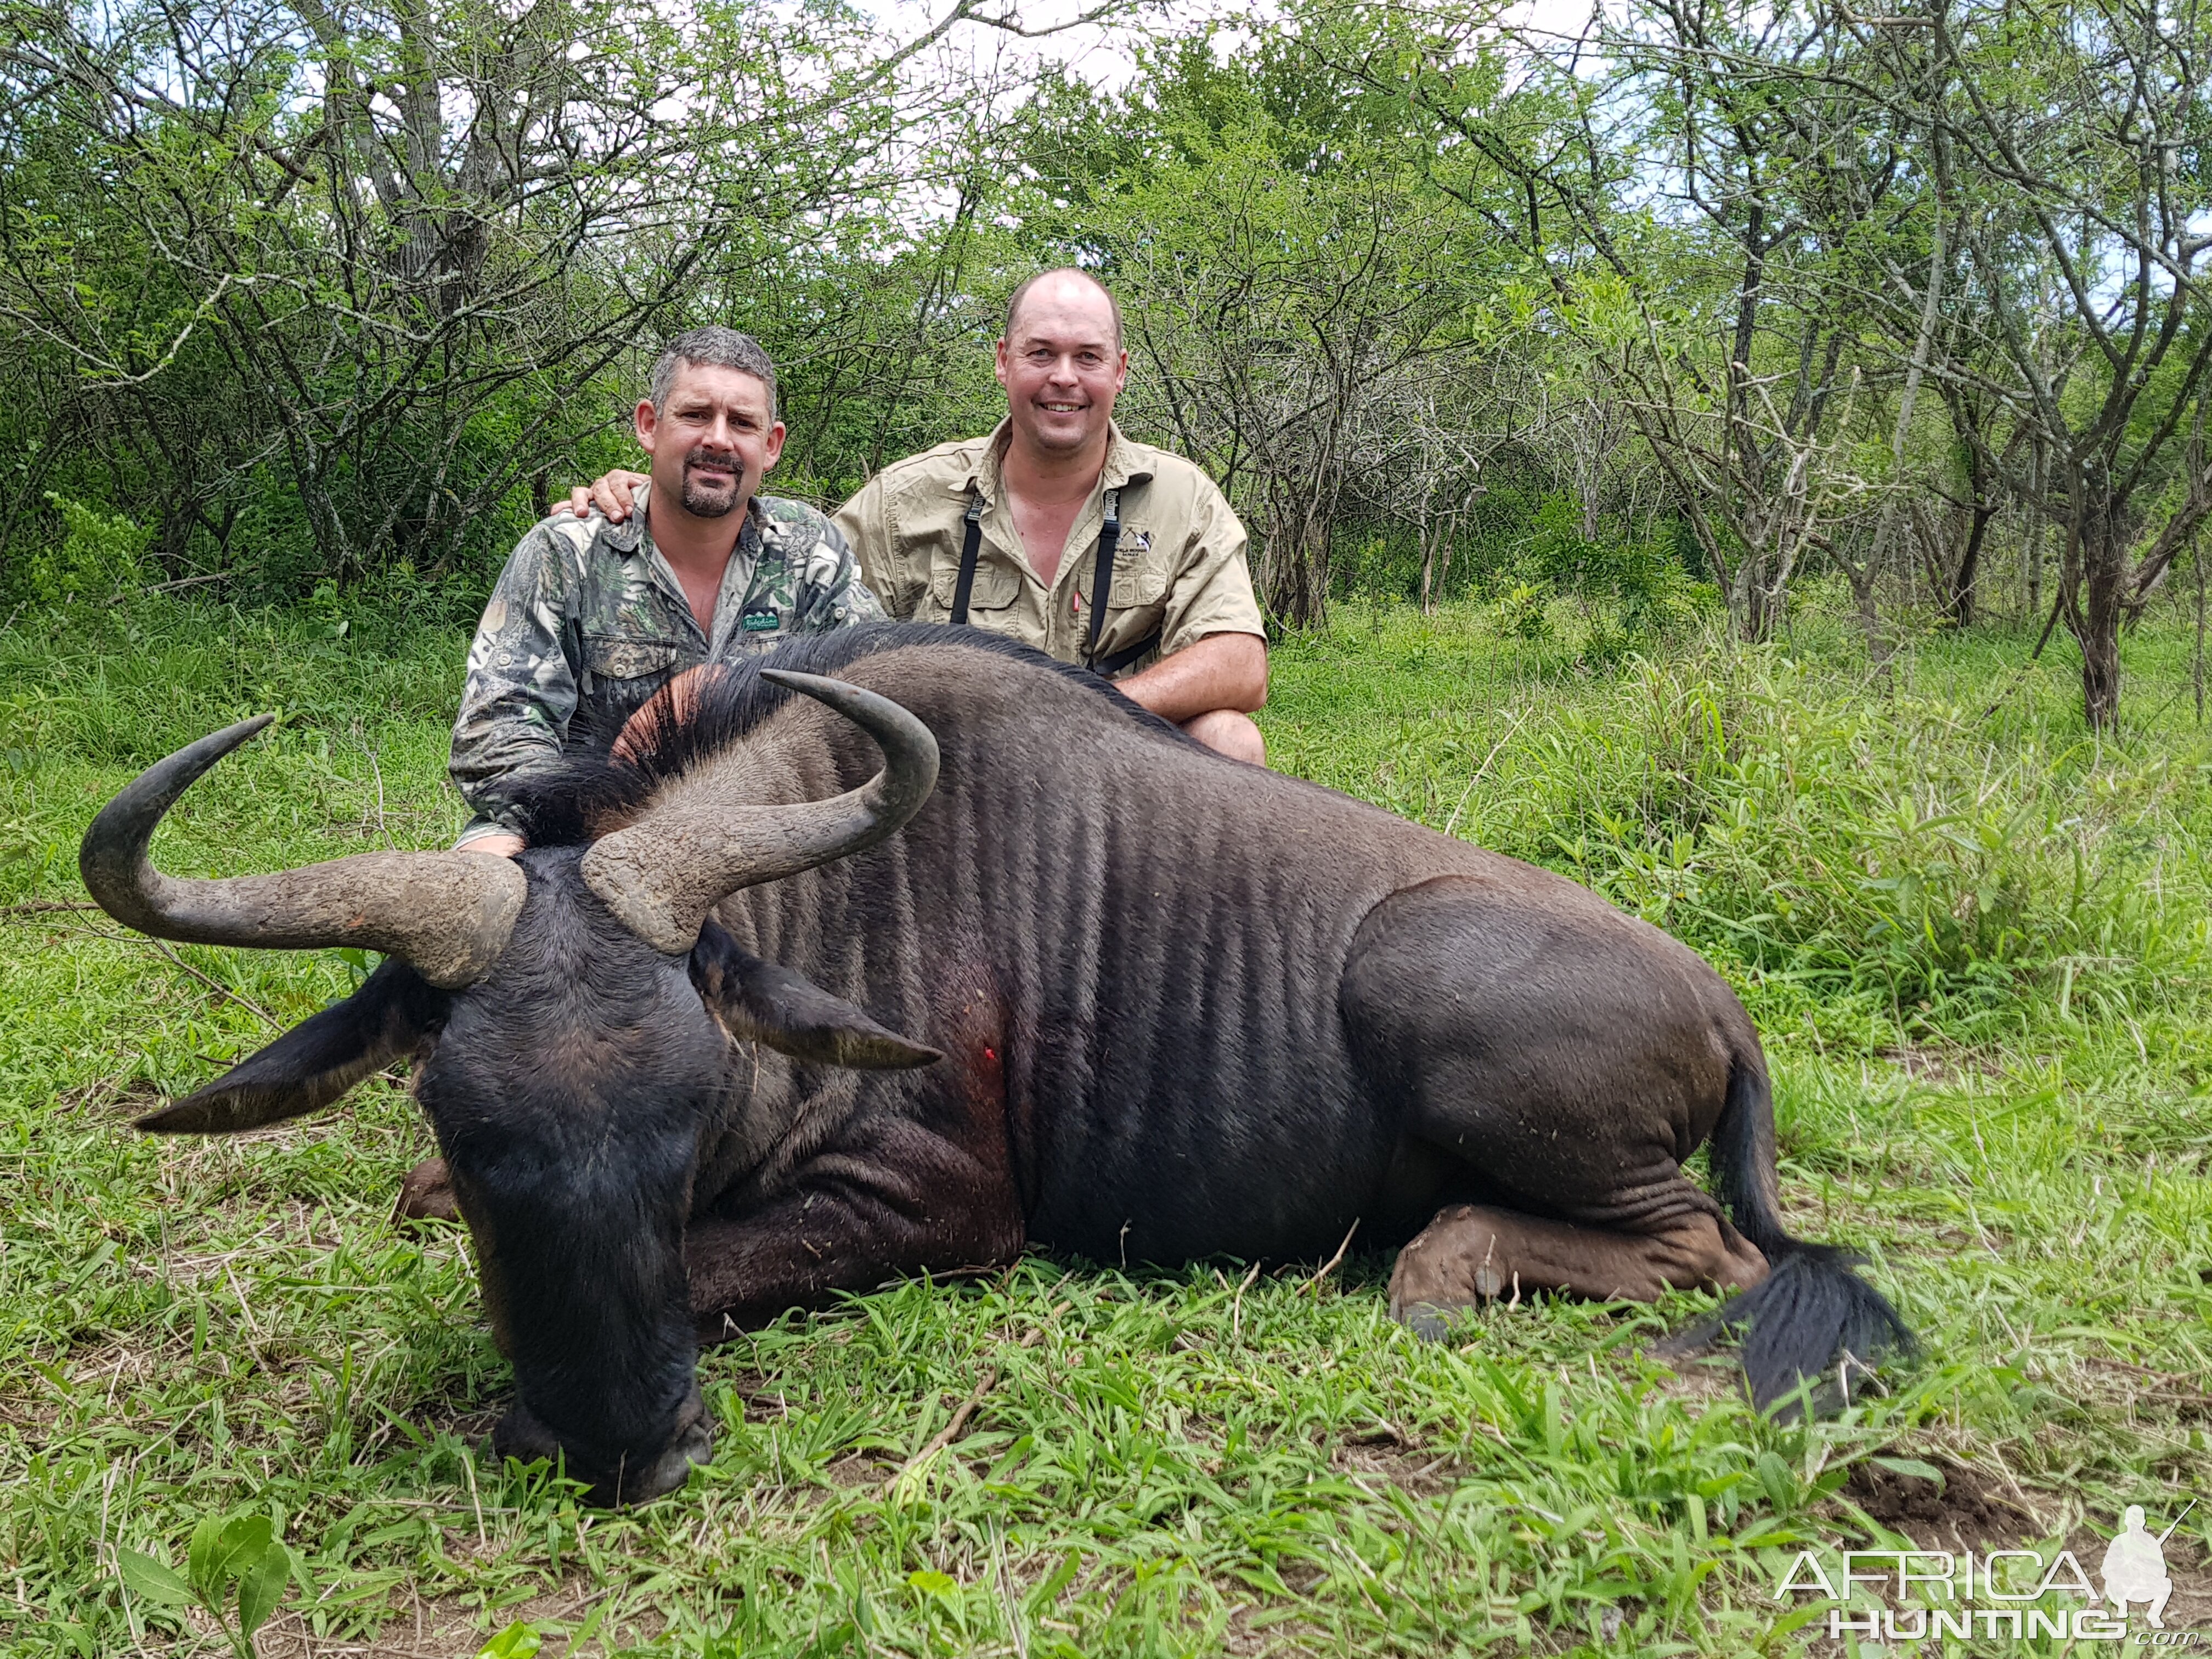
(634, 1478)
(1427, 1321)
(427, 1194)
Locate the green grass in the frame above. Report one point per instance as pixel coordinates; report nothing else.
(1976, 942)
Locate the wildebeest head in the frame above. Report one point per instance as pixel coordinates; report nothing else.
(570, 1037)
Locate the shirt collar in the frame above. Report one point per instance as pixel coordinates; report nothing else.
(627, 537)
(1123, 463)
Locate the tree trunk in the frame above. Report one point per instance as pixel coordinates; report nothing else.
(1963, 580)
(1865, 582)
(1294, 570)
(1754, 609)
(1290, 584)
(2104, 552)
(1742, 598)
(2196, 657)
(1428, 553)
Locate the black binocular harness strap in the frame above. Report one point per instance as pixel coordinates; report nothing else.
(1101, 581)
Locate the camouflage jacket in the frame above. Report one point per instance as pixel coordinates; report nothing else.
(588, 618)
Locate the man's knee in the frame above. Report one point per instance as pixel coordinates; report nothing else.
(1230, 733)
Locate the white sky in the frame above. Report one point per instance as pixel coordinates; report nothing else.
(1106, 55)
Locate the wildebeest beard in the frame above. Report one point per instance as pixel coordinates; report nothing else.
(1104, 992)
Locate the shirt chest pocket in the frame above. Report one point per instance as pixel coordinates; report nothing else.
(995, 586)
(1140, 573)
(615, 657)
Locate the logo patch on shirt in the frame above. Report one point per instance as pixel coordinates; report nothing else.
(760, 622)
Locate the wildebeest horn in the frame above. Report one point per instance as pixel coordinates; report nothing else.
(448, 914)
(662, 875)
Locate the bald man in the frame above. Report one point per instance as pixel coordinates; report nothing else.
(1023, 532)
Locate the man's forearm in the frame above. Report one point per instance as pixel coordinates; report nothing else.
(494, 750)
(1221, 670)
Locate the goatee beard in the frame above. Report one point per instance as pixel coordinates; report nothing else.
(703, 502)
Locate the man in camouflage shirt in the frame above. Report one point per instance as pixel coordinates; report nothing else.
(591, 618)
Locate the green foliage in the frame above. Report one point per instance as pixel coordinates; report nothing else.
(516, 1641)
(1893, 862)
(98, 557)
(1522, 613)
(305, 328)
(1642, 580)
(1523, 548)
(241, 1553)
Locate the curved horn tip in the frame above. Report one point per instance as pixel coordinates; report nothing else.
(195, 758)
(660, 876)
(792, 679)
(115, 842)
(229, 737)
(841, 695)
(902, 733)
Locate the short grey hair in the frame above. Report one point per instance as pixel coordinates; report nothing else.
(714, 347)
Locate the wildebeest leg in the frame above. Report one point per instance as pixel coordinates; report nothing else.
(890, 1198)
(1570, 1063)
(1476, 1253)
(426, 1194)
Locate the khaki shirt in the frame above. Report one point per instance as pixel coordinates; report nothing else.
(1179, 568)
(588, 618)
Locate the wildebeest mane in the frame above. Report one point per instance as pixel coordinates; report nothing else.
(591, 788)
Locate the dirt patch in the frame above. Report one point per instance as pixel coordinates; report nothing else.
(1376, 1457)
(1964, 1510)
(130, 1097)
(465, 1419)
(2116, 1385)
(857, 1469)
(1942, 1066)
(448, 1628)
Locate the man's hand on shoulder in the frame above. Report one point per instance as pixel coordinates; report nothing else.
(612, 493)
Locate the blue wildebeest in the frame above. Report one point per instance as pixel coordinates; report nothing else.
(961, 952)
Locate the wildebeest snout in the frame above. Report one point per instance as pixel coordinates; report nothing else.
(632, 1477)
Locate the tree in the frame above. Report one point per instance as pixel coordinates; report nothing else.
(2064, 148)
(386, 251)
(1297, 289)
(1692, 211)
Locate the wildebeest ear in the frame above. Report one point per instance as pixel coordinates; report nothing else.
(760, 1001)
(317, 1061)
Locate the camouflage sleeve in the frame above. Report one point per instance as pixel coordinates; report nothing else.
(521, 688)
(830, 594)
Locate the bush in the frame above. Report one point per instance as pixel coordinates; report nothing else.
(98, 558)
(1881, 865)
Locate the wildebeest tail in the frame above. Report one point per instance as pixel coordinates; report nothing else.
(1813, 1316)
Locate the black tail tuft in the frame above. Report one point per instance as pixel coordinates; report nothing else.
(1813, 1318)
